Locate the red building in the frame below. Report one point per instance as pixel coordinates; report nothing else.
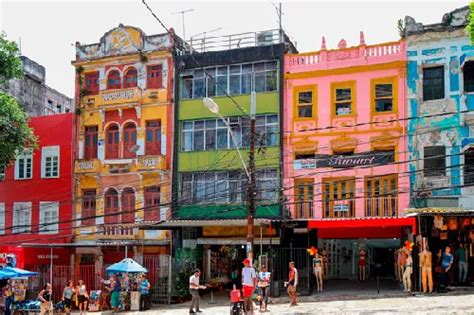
(36, 197)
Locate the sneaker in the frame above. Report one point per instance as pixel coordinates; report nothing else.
(192, 312)
(198, 311)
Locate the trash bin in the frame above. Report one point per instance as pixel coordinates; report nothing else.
(275, 289)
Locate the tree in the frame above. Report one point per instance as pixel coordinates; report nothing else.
(470, 25)
(14, 130)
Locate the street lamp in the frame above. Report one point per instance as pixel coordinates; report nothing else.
(212, 106)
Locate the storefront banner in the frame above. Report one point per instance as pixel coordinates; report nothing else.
(341, 161)
(341, 206)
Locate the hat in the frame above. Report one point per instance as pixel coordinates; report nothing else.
(246, 261)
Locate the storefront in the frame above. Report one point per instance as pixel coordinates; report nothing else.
(443, 227)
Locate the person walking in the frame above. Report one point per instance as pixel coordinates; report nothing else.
(45, 297)
(446, 263)
(8, 296)
(68, 293)
(114, 289)
(194, 290)
(82, 296)
(144, 293)
(292, 283)
(462, 263)
(263, 286)
(249, 283)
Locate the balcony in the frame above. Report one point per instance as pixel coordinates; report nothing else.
(86, 166)
(343, 208)
(119, 96)
(303, 210)
(381, 207)
(118, 232)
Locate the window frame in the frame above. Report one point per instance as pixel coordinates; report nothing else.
(88, 200)
(155, 82)
(373, 185)
(314, 99)
(114, 87)
(109, 147)
(44, 208)
(152, 208)
(127, 77)
(468, 170)
(431, 67)
(111, 206)
(330, 183)
(26, 155)
(91, 149)
(471, 82)
(3, 170)
(50, 152)
(17, 221)
(344, 85)
(153, 147)
(129, 131)
(427, 173)
(128, 202)
(304, 199)
(92, 89)
(373, 88)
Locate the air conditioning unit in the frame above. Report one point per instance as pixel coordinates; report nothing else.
(153, 95)
(265, 38)
(234, 121)
(90, 101)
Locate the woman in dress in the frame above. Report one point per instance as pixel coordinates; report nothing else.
(82, 296)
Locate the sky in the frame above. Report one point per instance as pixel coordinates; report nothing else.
(48, 30)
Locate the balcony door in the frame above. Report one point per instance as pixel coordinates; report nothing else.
(111, 207)
(304, 198)
(112, 146)
(130, 141)
(339, 197)
(381, 196)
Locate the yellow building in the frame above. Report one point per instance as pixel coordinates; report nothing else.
(123, 152)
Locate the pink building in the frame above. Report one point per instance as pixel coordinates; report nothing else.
(345, 147)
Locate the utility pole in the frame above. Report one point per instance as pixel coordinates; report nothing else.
(251, 185)
(182, 17)
(279, 22)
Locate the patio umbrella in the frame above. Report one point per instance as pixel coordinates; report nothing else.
(4, 274)
(20, 272)
(126, 265)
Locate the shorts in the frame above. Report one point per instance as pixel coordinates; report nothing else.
(115, 299)
(247, 290)
(67, 303)
(81, 299)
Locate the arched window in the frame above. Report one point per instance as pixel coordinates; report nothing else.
(128, 205)
(130, 79)
(112, 145)
(113, 80)
(111, 207)
(130, 141)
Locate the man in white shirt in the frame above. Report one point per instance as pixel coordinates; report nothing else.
(249, 283)
(194, 290)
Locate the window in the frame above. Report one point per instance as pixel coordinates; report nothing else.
(469, 167)
(234, 79)
(381, 196)
(2, 218)
(130, 141)
(305, 104)
(343, 101)
(2, 172)
(50, 162)
(92, 82)
(152, 203)
(468, 73)
(339, 197)
(433, 83)
(434, 161)
(24, 165)
(49, 217)
(266, 185)
(22, 217)
(305, 155)
(111, 207)
(112, 145)
(345, 152)
(383, 97)
(88, 206)
(153, 137)
(388, 153)
(304, 198)
(128, 206)
(90, 142)
(154, 77)
(200, 135)
(113, 80)
(130, 78)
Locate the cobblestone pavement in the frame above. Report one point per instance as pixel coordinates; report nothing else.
(402, 304)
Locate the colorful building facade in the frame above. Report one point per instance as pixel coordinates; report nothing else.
(345, 148)
(123, 157)
(36, 197)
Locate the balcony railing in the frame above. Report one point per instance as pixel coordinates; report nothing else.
(381, 207)
(118, 231)
(304, 210)
(339, 209)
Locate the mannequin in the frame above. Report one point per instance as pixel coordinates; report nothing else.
(408, 271)
(325, 264)
(401, 263)
(318, 270)
(362, 264)
(426, 262)
(395, 265)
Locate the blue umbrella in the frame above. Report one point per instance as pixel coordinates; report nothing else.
(126, 265)
(19, 272)
(4, 274)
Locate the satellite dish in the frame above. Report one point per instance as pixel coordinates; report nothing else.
(134, 148)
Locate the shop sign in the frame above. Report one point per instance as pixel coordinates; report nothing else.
(341, 206)
(85, 165)
(149, 162)
(47, 256)
(119, 95)
(342, 161)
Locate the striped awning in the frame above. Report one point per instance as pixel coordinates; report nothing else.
(439, 210)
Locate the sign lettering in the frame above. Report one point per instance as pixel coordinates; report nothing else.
(342, 161)
(149, 162)
(85, 165)
(120, 95)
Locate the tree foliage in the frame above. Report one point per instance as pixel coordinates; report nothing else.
(14, 130)
(470, 25)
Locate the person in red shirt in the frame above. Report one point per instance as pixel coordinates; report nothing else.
(292, 283)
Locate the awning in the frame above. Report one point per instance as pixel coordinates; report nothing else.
(237, 241)
(362, 227)
(176, 224)
(441, 210)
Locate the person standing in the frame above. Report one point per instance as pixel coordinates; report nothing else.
(8, 296)
(45, 297)
(114, 289)
(68, 293)
(82, 296)
(263, 286)
(144, 293)
(194, 287)
(462, 263)
(249, 283)
(446, 263)
(292, 283)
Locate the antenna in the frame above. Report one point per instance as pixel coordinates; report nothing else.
(279, 12)
(182, 17)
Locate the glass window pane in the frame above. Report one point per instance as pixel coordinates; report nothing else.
(211, 86)
(187, 88)
(221, 88)
(198, 88)
(210, 124)
(187, 141)
(211, 139)
(247, 68)
(259, 82)
(343, 108)
(235, 69)
(259, 66)
(272, 119)
(234, 84)
(270, 65)
(188, 125)
(305, 98)
(343, 94)
(246, 83)
(383, 90)
(383, 105)
(222, 138)
(305, 111)
(222, 71)
(271, 81)
(199, 124)
(198, 140)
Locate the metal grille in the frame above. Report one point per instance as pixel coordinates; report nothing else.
(159, 277)
(61, 274)
(278, 265)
